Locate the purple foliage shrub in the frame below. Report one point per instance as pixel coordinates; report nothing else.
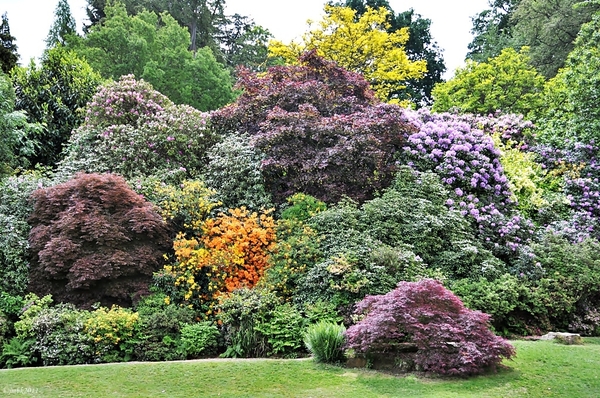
(330, 89)
(330, 157)
(450, 339)
(319, 129)
(93, 239)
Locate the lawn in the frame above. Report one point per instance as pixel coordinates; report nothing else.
(541, 369)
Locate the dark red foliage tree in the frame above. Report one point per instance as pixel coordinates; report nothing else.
(450, 339)
(93, 239)
(330, 89)
(320, 129)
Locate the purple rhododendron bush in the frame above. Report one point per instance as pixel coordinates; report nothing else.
(450, 339)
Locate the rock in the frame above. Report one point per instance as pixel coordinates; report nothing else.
(563, 338)
(356, 363)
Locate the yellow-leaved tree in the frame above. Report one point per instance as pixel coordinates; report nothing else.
(361, 45)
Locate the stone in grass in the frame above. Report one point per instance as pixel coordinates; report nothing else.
(563, 338)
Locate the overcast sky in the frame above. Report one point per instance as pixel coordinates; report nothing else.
(30, 21)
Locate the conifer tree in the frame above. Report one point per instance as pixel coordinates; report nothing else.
(64, 25)
(8, 48)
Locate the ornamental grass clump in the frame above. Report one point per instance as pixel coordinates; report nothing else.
(325, 341)
(446, 337)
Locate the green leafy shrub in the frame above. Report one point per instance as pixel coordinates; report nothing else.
(115, 332)
(502, 298)
(414, 212)
(353, 263)
(321, 311)
(297, 250)
(302, 207)
(570, 285)
(258, 324)
(5, 326)
(34, 305)
(347, 272)
(10, 310)
(160, 325)
(234, 172)
(60, 337)
(240, 313)
(283, 330)
(325, 341)
(15, 209)
(533, 188)
(199, 339)
(11, 306)
(17, 353)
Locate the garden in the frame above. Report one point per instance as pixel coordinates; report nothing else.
(307, 218)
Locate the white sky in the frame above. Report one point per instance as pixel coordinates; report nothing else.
(30, 21)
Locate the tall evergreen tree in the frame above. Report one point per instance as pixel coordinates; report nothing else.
(63, 26)
(492, 30)
(8, 48)
(201, 17)
(242, 42)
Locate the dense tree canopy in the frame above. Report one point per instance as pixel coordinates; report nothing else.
(234, 39)
(18, 138)
(572, 96)
(362, 45)
(420, 46)
(52, 94)
(242, 42)
(504, 83)
(8, 48)
(549, 28)
(201, 17)
(492, 30)
(155, 48)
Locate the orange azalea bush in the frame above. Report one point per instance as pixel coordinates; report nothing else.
(232, 252)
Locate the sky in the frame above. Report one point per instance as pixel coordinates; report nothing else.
(30, 21)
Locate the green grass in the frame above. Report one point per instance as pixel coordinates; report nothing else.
(541, 369)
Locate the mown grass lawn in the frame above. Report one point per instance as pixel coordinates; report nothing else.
(541, 369)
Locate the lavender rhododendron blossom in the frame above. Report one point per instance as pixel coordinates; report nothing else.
(465, 157)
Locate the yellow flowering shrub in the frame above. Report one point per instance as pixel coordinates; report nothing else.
(186, 205)
(113, 331)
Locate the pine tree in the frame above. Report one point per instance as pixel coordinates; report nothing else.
(64, 25)
(8, 49)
